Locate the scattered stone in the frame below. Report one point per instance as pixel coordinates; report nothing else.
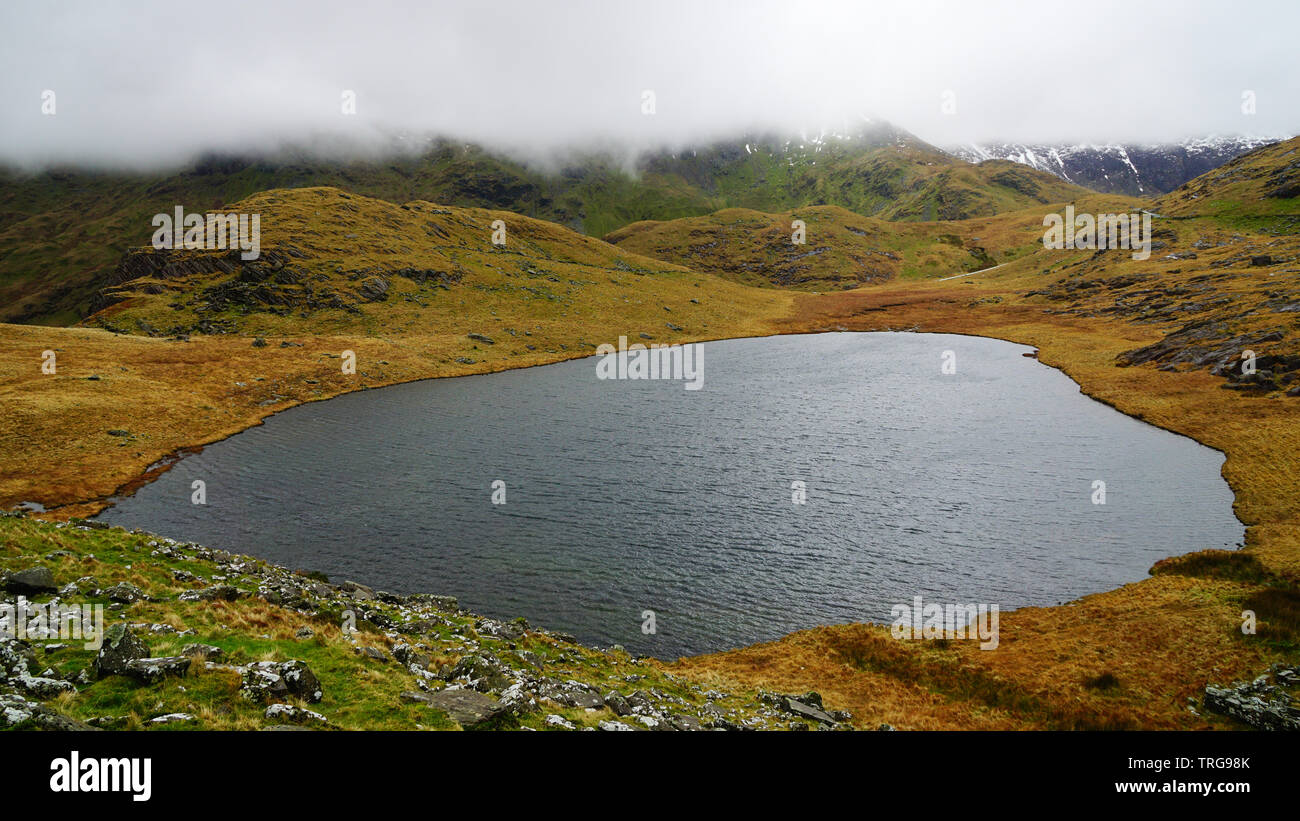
(207, 652)
(554, 720)
(615, 726)
(16, 711)
(217, 592)
(289, 714)
(1259, 704)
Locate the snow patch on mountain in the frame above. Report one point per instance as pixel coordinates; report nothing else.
(1138, 169)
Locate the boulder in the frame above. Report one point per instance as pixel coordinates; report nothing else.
(289, 714)
(484, 672)
(266, 681)
(467, 708)
(124, 592)
(120, 646)
(220, 592)
(374, 289)
(153, 670)
(33, 580)
(559, 721)
(615, 726)
(207, 652)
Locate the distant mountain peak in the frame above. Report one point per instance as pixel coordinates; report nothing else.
(1137, 169)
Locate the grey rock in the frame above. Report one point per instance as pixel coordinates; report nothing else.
(266, 681)
(154, 670)
(120, 647)
(615, 726)
(467, 708)
(207, 652)
(124, 592)
(289, 714)
(33, 580)
(16, 711)
(483, 671)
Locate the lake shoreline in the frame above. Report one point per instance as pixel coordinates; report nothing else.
(1188, 403)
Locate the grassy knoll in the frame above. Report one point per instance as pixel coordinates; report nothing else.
(842, 250)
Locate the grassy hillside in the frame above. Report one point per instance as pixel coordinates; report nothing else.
(1264, 183)
(885, 173)
(64, 231)
(842, 249)
(342, 263)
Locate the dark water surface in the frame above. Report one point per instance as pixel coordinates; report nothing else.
(626, 496)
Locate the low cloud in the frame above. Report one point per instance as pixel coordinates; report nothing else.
(155, 83)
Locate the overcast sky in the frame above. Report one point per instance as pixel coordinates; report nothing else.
(156, 82)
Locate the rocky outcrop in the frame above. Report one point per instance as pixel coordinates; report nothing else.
(1260, 704)
(17, 712)
(121, 646)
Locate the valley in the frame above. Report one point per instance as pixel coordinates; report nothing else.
(186, 349)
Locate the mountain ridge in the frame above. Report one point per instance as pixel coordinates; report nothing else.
(67, 230)
(1132, 168)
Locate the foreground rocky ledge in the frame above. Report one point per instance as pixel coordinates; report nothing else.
(204, 639)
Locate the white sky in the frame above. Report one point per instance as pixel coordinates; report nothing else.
(147, 83)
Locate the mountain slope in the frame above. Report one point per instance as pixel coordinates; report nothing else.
(842, 249)
(1262, 183)
(64, 231)
(341, 263)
